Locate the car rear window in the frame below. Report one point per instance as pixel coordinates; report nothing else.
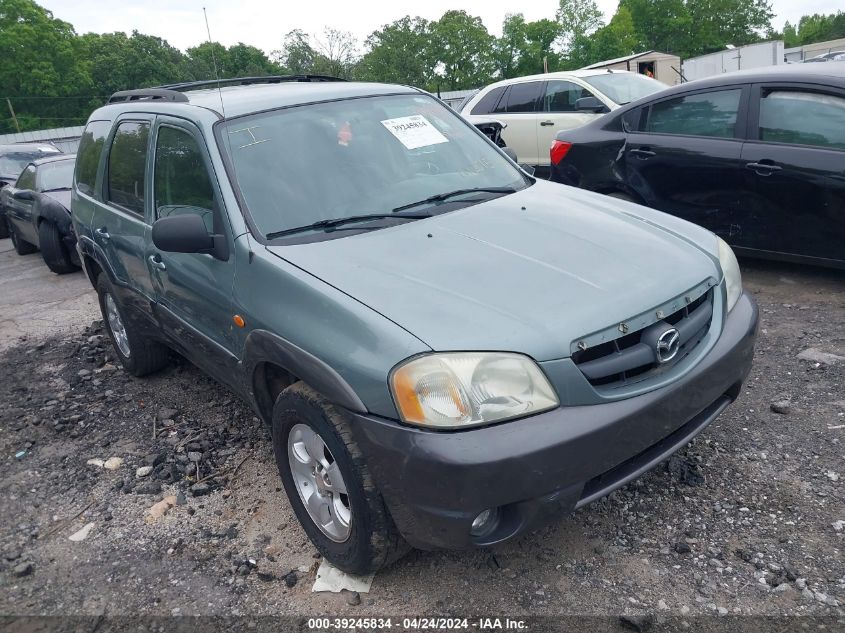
(127, 163)
(88, 155)
(701, 114)
(803, 118)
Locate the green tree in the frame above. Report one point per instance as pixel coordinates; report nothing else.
(337, 54)
(400, 52)
(577, 19)
(41, 71)
(297, 54)
(617, 39)
(462, 51)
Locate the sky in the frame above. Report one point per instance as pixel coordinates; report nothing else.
(264, 24)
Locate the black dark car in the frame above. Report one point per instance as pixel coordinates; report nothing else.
(37, 212)
(758, 157)
(13, 158)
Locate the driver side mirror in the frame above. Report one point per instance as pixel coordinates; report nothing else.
(24, 194)
(187, 234)
(590, 104)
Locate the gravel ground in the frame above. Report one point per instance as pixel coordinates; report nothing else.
(749, 520)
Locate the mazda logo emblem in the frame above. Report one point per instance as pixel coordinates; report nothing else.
(668, 345)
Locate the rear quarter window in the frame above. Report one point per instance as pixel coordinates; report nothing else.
(488, 102)
(88, 155)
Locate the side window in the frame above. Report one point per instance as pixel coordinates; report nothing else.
(88, 155)
(487, 103)
(127, 160)
(704, 114)
(522, 97)
(27, 178)
(802, 118)
(561, 96)
(181, 181)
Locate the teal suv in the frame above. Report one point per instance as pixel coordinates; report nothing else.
(447, 350)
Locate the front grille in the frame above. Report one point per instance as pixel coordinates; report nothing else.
(633, 357)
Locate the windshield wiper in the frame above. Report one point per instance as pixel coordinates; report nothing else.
(55, 189)
(440, 197)
(330, 224)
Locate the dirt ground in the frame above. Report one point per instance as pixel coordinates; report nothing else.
(758, 529)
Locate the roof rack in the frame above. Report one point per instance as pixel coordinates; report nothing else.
(173, 92)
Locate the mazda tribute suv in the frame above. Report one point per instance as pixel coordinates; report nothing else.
(447, 351)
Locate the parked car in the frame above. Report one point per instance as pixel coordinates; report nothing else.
(448, 351)
(534, 108)
(755, 156)
(37, 209)
(835, 56)
(13, 158)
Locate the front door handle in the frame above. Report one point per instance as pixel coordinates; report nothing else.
(763, 169)
(103, 232)
(155, 261)
(545, 123)
(643, 152)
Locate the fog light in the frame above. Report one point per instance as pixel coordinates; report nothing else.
(485, 522)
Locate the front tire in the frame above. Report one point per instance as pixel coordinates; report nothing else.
(22, 247)
(4, 228)
(329, 485)
(138, 355)
(53, 249)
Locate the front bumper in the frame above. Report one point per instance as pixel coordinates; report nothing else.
(436, 483)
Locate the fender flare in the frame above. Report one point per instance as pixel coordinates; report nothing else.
(91, 250)
(263, 346)
(53, 211)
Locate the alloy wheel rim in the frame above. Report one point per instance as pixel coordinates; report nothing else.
(319, 483)
(116, 326)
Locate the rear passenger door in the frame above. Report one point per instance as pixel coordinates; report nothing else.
(193, 291)
(518, 107)
(120, 222)
(795, 157)
(684, 158)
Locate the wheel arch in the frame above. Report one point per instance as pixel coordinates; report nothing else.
(273, 363)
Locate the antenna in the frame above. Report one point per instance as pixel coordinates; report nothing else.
(214, 63)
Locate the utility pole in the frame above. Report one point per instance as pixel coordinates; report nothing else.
(14, 118)
(545, 65)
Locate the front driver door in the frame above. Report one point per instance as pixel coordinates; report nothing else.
(685, 157)
(193, 291)
(559, 113)
(18, 210)
(796, 161)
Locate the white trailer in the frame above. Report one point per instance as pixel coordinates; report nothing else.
(740, 58)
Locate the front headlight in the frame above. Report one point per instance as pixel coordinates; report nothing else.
(460, 389)
(730, 269)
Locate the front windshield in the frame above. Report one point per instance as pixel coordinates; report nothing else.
(625, 87)
(58, 175)
(12, 163)
(296, 166)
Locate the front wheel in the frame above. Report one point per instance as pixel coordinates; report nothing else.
(53, 249)
(139, 356)
(329, 485)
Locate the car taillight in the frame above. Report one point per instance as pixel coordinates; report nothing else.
(559, 151)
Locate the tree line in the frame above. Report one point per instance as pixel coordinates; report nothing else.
(53, 77)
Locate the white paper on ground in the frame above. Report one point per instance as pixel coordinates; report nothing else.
(330, 578)
(82, 534)
(414, 131)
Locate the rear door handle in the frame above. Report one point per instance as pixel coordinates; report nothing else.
(642, 153)
(764, 169)
(545, 123)
(155, 261)
(103, 232)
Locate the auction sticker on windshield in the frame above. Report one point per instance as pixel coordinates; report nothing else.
(414, 131)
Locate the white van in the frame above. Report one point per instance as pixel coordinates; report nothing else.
(536, 107)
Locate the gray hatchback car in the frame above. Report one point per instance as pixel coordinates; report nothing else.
(448, 351)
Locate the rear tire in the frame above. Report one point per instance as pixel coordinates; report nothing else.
(22, 247)
(365, 537)
(53, 249)
(138, 355)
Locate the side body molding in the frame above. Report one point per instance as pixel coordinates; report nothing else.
(263, 346)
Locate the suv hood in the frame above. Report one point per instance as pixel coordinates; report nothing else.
(529, 272)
